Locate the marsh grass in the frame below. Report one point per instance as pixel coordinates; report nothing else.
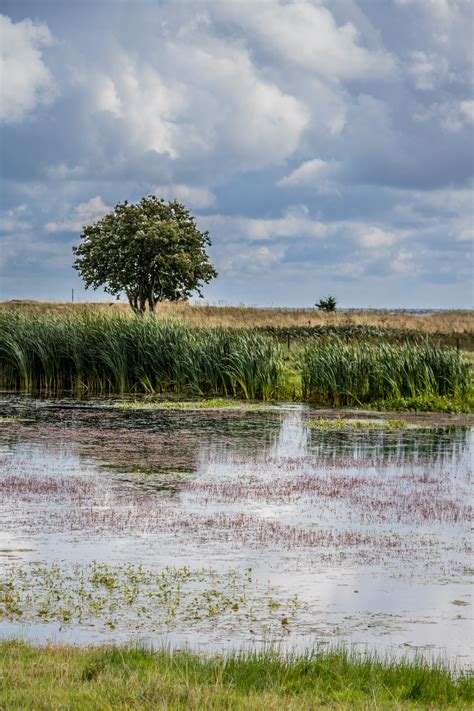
(96, 353)
(109, 678)
(105, 354)
(428, 403)
(338, 373)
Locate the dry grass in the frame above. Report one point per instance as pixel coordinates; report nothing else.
(449, 322)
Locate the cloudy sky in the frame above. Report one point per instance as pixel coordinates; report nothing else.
(327, 145)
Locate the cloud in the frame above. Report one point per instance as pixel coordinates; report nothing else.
(373, 237)
(306, 35)
(404, 262)
(82, 215)
(316, 173)
(189, 195)
(12, 221)
(251, 259)
(452, 116)
(204, 98)
(428, 70)
(26, 80)
(296, 222)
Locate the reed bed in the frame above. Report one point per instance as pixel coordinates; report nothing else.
(106, 354)
(338, 373)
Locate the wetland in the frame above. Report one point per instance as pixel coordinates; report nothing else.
(235, 528)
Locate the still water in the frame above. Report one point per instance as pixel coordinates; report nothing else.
(232, 529)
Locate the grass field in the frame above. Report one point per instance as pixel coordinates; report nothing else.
(449, 322)
(109, 679)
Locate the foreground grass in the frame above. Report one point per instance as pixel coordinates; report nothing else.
(125, 678)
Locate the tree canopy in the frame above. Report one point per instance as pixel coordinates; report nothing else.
(151, 250)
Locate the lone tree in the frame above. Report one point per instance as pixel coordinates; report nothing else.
(328, 304)
(151, 250)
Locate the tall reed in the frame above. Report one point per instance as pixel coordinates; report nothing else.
(338, 373)
(105, 354)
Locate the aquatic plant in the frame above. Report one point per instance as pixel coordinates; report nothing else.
(338, 373)
(101, 354)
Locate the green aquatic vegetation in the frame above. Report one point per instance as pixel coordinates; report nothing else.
(134, 596)
(337, 373)
(208, 404)
(111, 677)
(109, 354)
(343, 423)
(428, 403)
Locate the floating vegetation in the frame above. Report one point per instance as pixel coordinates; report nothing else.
(340, 374)
(138, 597)
(208, 404)
(346, 423)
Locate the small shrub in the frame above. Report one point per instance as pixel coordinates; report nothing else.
(328, 304)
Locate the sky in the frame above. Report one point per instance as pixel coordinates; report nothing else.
(326, 145)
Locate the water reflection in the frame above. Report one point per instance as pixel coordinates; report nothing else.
(367, 529)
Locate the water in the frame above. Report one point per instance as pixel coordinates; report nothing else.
(231, 529)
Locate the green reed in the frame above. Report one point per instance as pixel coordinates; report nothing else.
(106, 354)
(338, 373)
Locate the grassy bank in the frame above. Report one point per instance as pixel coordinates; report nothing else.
(120, 678)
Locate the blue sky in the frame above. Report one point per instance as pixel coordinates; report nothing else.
(327, 146)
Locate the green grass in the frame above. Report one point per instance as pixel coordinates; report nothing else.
(114, 678)
(93, 353)
(344, 374)
(428, 403)
(106, 354)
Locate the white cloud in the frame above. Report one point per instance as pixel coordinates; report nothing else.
(234, 110)
(83, 214)
(452, 116)
(374, 237)
(249, 259)
(317, 174)
(62, 171)
(12, 221)
(296, 222)
(203, 97)
(305, 34)
(189, 195)
(404, 262)
(428, 70)
(25, 79)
